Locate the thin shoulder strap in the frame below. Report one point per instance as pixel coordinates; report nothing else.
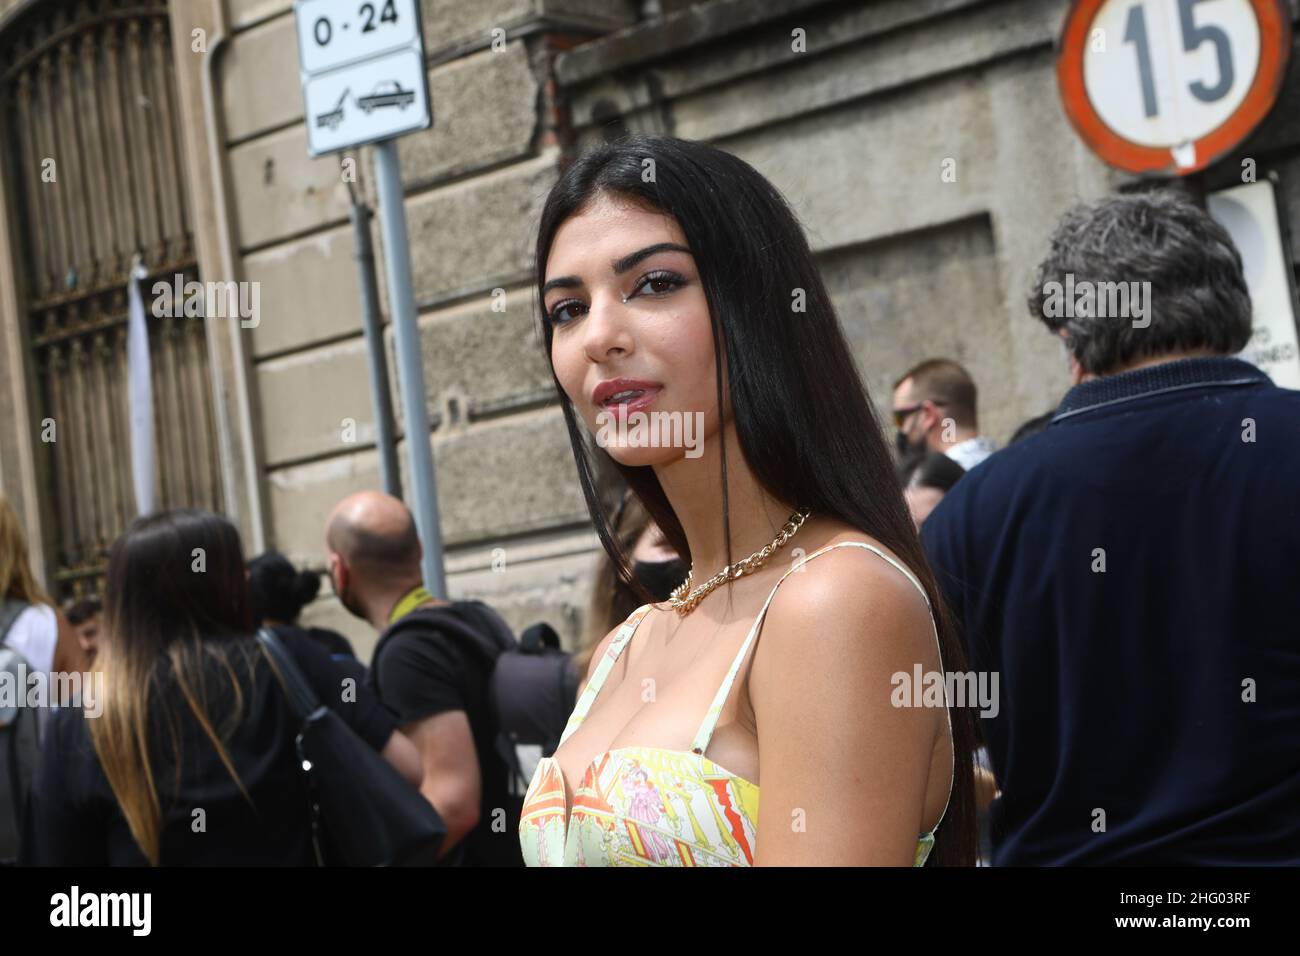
(606, 664)
(10, 611)
(705, 733)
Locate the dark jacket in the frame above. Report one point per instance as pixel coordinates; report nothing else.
(1133, 575)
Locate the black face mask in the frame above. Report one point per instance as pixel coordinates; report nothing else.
(902, 444)
(660, 577)
(353, 607)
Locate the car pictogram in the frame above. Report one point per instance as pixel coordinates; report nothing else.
(388, 93)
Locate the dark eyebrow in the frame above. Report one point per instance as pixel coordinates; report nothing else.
(628, 261)
(618, 265)
(563, 282)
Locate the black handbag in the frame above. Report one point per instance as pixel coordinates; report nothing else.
(363, 813)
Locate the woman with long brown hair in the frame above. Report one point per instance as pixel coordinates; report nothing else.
(29, 621)
(694, 344)
(192, 758)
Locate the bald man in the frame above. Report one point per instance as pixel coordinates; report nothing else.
(431, 668)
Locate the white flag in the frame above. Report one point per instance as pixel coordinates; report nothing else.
(139, 391)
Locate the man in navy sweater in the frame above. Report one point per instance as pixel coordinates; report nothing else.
(1133, 571)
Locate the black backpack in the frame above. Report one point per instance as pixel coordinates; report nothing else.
(532, 683)
(18, 742)
(533, 689)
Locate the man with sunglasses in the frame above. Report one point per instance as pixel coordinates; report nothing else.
(934, 410)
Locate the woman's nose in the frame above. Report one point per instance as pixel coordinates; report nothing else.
(606, 330)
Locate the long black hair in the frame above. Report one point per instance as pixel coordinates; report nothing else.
(801, 412)
(175, 604)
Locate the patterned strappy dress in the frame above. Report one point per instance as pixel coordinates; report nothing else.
(650, 806)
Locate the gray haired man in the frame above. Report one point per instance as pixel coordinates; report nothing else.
(1129, 572)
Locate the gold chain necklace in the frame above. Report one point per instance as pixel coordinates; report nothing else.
(683, 603)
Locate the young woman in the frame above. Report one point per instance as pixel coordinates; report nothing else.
(676, 283)
(192, 759)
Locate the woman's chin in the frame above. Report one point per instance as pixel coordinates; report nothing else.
(635, 456)
(649, 439)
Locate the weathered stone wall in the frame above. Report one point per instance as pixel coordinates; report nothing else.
(474, 186)
(856, 130)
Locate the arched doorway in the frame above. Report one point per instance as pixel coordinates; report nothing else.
(93, 167)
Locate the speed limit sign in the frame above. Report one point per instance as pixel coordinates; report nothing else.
(1169, 86)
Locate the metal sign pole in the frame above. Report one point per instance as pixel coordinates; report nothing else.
(385, 439)
(364, 82)
(410, 365)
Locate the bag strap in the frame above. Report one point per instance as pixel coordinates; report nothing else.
(10, 611)
(301, 698)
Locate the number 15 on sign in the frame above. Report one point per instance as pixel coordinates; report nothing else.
(1168, 86)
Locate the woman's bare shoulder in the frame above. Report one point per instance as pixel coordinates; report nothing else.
(848, 597)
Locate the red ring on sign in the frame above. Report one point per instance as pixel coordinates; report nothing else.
(1274, 24)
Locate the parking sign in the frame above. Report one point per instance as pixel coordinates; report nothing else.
(362, 71)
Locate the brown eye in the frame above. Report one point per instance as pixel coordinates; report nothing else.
(660, 283)
(562, 313)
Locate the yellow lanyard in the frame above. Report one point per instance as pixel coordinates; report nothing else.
(409, 602)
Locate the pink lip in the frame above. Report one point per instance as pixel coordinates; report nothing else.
(640, 403)
(601, 394)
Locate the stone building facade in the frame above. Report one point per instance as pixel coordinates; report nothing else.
(853, 109)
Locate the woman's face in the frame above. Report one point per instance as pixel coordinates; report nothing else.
(631, 342)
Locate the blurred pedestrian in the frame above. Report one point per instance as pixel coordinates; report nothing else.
(192, 759)
(432, 669)
(926, 478)
(279, 592)
(30, 625)
(85, 616)
(934, 409)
